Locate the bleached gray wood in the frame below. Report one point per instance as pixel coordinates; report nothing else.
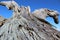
(26, 26)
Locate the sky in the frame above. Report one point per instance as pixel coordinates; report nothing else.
(34, 4)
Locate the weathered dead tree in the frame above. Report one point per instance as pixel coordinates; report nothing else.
(26, 26)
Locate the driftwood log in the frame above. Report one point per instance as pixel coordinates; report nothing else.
(26, 26)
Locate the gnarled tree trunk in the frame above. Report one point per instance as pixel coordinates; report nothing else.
(27, 27)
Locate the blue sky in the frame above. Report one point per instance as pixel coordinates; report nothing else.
(34, 4)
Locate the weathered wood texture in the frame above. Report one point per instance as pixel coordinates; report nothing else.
(26, 26)
(21, 28)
